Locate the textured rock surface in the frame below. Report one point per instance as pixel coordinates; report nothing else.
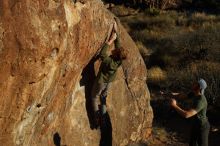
(44, 47)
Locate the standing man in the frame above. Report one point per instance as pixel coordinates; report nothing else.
(200, 128)
(107, 73)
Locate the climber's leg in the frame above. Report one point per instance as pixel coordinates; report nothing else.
(96, 93)
(97, 89)
(103, 99)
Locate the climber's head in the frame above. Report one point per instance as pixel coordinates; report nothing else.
(119, 53)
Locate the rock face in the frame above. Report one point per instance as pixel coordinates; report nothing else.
(47, 68)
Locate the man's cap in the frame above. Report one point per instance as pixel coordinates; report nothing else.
(203, 85)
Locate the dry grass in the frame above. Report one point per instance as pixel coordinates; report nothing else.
(163, 4)
(199, 19)
(145, 52)
(156, 75)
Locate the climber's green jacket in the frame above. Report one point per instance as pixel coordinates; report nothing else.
(109, 66)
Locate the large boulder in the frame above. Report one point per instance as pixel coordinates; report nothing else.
(47, 51)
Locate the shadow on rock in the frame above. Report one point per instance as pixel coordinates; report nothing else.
(106, 131)
(57, 139)
(88, 77)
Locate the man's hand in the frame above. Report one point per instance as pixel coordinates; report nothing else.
(115, 27)
(112, 38)
(173, 102)
(175, 93)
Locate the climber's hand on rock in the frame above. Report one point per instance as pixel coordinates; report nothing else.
(115, 27)
(112, 38)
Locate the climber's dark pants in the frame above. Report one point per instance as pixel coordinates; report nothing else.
(199, 134)
(99, 93)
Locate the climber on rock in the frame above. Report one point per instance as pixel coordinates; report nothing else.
(107, 73)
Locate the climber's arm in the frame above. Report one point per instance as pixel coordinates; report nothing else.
(112, 39)
(103, 53)
(115, 28)
(117, 42)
